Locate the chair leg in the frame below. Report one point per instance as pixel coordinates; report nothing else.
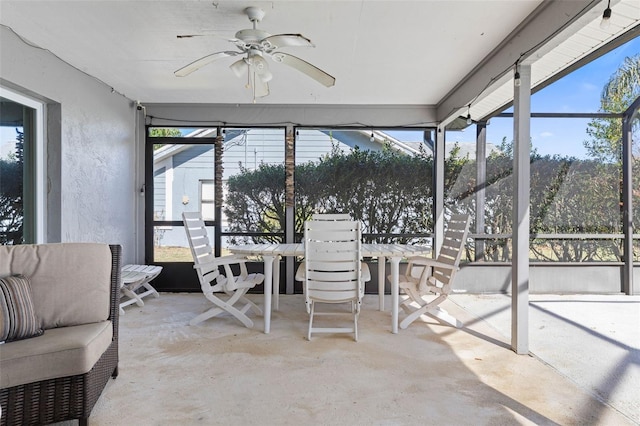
(355, 325)
(255, 308)
(404, 304)
(209, 313)
(444, 317)
(226, 306)
(313, 307)
(431, 308)
(131, 294)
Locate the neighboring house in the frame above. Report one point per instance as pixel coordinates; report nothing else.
(183, 174)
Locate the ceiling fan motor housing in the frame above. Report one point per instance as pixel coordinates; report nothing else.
(251, 35)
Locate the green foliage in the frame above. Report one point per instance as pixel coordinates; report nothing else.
(168, 132)
(605, 134)
(11, 195)
(567, 196)
(391, 193)
(255, 202)
(388, 191)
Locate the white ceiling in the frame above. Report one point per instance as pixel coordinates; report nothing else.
(380, 52)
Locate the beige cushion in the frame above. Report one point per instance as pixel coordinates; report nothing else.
(60, 352)
(70, 282)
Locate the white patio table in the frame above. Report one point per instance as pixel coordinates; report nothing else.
(393, 252)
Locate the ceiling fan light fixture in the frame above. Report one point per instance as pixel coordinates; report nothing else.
(239, 67)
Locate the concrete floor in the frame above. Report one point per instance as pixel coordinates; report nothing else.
(219, 372)
(593, 340)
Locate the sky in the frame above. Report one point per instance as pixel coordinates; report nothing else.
(576, 92)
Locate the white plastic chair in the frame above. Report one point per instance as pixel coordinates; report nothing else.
(300, 272)
(333, 270)
(212, 282)
(428, 282)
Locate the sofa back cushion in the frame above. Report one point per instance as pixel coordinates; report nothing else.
(70, 282)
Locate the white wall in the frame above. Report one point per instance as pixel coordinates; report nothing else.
(91, 139)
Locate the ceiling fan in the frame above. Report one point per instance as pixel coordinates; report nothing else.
(254, 45)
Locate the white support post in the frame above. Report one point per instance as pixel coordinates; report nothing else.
(521, 175)
(481, 184)
(627, 199)
(438, 193)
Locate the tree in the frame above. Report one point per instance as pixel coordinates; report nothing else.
(568, 196)
(255, 202)
(390, 192)
(161, 132)
(11, 195)
(617, 95)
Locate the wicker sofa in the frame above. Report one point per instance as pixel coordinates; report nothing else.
(60, 374)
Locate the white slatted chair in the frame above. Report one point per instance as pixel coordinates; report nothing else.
(333, 270)
(428, 282)
(300, 272)
(231, 287)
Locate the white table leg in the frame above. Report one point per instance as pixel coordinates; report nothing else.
(395, 292)
(381, 280)
(276, 283)
(268, 284)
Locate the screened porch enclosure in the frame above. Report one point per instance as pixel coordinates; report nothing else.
(259, 185)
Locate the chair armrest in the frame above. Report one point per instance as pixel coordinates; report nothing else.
(221, 261)
(424, 261)
(116, 282)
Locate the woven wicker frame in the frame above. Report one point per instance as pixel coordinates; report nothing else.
(67, 398)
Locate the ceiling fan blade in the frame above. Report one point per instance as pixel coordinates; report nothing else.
(181, 36)
(199, 63)
(286, 40)
(305, 67)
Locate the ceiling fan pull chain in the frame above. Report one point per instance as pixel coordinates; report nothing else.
(254, 84)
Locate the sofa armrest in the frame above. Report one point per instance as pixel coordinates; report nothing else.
(116, 271)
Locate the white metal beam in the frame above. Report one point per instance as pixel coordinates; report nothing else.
(533, 37)
(438, 190)
(521, 176)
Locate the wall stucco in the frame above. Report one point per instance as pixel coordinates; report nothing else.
(91, 151)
